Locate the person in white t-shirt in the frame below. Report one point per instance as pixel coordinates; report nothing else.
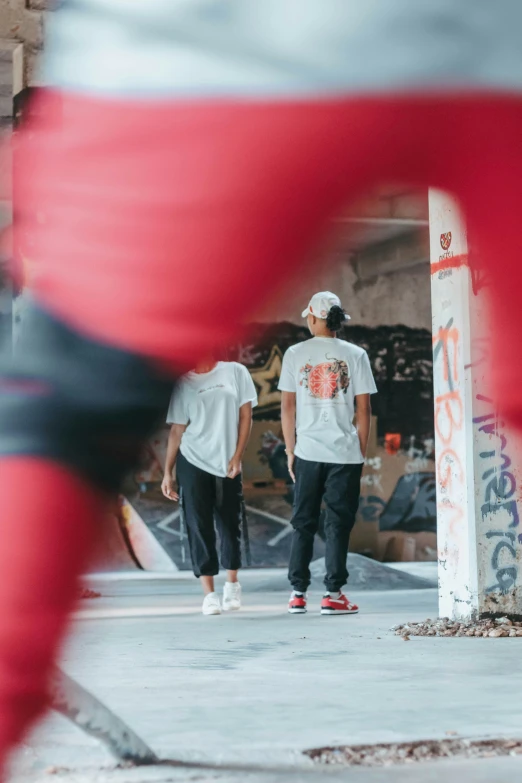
(326, 384)
(211, 417)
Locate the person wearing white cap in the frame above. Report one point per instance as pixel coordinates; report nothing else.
(326, 383)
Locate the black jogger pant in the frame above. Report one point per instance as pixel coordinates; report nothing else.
(340, 487)
(206, 497)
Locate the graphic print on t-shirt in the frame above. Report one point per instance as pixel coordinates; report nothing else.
(326, 375)
(327, 380)
(212, 388)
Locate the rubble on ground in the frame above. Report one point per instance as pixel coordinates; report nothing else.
(491, 628)
(385, 755)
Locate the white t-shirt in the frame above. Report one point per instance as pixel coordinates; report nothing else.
(209, 404)
(326, 374)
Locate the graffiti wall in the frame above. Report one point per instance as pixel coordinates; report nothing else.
(401, 361)
(397, 514)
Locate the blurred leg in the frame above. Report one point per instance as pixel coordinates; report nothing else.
(73, 417)
(148, 222)
(50, 518)
(490, 189)
(227, 198)
(153, 221)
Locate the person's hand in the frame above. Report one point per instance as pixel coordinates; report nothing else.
(290, 459)
(234, 467)
(167, 487)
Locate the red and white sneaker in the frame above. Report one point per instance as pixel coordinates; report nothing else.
(339, 605)
(297, 603)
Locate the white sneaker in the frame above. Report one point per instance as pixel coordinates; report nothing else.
(211, 604)
(231, 596)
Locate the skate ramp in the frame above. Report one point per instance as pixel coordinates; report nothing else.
(128, 545)
(365, 574)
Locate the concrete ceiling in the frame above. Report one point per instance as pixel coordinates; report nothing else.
(386, 232)
(366, 232)
(385, 214)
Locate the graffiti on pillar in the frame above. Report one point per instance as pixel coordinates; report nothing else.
(498, 499)
(449, 421)
(448, 261)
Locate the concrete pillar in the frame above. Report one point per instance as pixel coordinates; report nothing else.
(477, 456)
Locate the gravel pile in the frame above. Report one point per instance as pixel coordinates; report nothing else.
(411, 752)
(492, 628)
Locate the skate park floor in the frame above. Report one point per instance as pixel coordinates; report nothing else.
(244, 694)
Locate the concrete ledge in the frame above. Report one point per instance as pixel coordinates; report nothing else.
(11, 74)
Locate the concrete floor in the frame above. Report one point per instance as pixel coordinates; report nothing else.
(259, 687)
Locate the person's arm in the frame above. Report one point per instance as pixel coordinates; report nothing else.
(363, 419)
(288, 408)
(244, 430)
(167, 485)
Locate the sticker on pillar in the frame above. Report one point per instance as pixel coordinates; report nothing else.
(447, 259)
(445, 240)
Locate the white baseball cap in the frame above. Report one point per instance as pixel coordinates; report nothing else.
(320, 305)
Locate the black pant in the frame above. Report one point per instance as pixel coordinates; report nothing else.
(205, 497)
(68, 398)
(340, 487)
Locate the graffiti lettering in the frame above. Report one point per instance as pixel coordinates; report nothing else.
(448, 260)
(441, 342)
(449, 415)
(449, 422)
(498, 495)
(499, 488)
(373, 462)
(448, 465)
(371, 507)
(372, 481)
(419, 459)
(454, 515)
(417, 464)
